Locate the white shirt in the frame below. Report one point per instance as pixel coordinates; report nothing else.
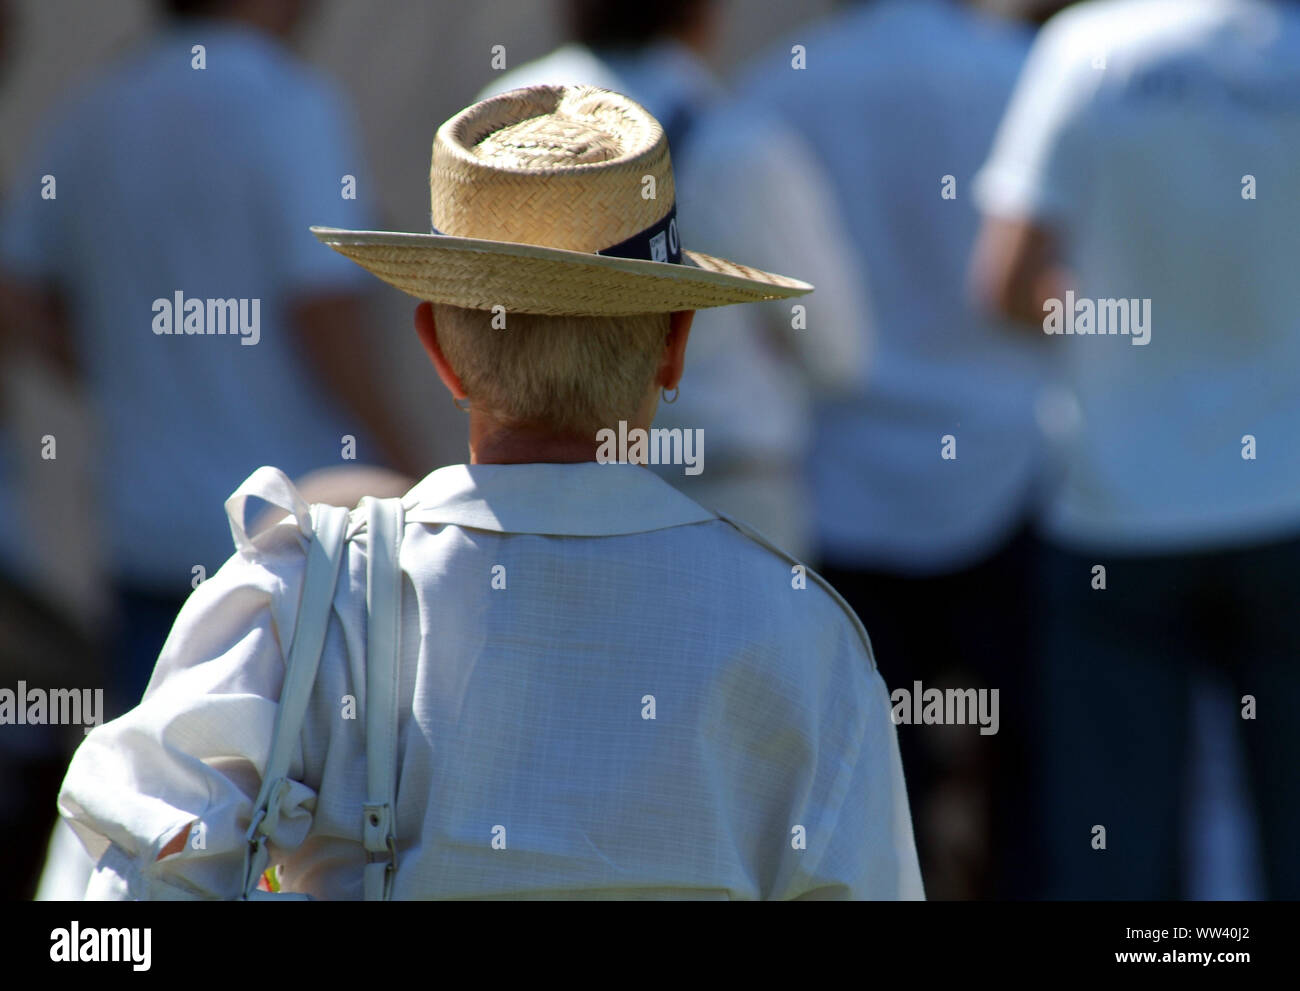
(1132, 134)
(896, 95)
(523, 708)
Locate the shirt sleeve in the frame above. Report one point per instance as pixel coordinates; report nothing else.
(863, 847)
(872, 845)
(1039, 161)
(858, 842)
(315, 164)
(193, 752)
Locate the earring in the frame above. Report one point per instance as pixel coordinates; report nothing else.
(664, 395)
(457, 403)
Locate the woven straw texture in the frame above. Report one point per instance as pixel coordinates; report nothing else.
(563, 167)
(530, 279)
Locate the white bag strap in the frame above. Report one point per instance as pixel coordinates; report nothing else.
(272, 486)
(385, 524)
(324, 554)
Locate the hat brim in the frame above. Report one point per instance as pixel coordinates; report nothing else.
(528, 278)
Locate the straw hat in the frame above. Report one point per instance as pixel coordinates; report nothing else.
(555, 200)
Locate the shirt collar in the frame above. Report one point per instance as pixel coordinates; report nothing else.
(573, 500)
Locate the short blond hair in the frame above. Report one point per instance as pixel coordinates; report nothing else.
(575, 375)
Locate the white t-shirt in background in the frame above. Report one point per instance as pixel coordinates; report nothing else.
(1135, 130)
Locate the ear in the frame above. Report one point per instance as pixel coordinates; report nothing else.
(674, 357)
(428, 334)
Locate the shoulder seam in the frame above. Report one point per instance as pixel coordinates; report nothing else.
(748, 531)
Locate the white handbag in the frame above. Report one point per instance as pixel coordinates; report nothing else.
(385, 522)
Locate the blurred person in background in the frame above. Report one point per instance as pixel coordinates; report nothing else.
(924, 477)
(187, 173)
(1149, 157)
(754, 369)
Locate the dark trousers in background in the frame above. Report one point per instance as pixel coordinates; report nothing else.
(41, 649)
(974, 798)
(1119, 665)
(143, 621)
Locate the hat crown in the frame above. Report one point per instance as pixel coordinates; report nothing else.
(572, 167)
